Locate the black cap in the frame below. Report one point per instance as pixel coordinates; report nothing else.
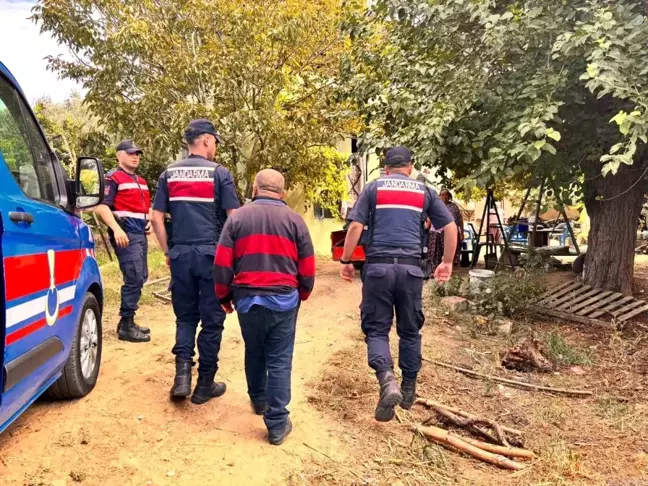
(398, 157)
(198, 127)
(129, 147)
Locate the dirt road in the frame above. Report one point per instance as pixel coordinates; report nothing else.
(128, 432)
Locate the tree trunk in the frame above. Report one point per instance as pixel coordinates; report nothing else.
(613, 204)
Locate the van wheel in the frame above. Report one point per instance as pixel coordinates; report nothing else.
(82, 368)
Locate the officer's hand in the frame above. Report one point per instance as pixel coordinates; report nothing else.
(347, 272)
(227, 307)
(168, 262)
(120, 238)
(443, 272)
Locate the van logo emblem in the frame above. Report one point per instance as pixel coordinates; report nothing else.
(52, 301)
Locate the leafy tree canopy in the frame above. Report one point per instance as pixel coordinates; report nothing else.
(263, 71)
(515, 91)
(73, 131)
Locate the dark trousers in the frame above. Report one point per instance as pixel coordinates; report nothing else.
(134, 267)
(389, 287)
(194, 300)
(269, 343)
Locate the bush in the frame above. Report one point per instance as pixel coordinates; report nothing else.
(507, 294)
(448, 289)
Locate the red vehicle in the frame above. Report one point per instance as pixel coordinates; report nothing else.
(337, 247)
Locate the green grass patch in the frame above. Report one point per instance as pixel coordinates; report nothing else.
(113, 280)
(560, 351)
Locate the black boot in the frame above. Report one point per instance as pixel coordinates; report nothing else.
(277, 438)
(206, 389)
(182, 382)
(408, 390)
(143, 330)
(127, 331)
(390, 396)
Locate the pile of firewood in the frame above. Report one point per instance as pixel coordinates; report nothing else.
(504, 446)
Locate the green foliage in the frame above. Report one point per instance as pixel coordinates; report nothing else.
(497, 90)
(506, 294)
(448, 289)
(559, 351)
(72, 131)
(263, 71)
(514, 91)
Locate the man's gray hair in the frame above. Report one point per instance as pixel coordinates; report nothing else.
(270, 180)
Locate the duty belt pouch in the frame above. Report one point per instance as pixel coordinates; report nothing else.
(168, 226)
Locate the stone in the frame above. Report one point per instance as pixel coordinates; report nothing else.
(455, 304)
(504, 327)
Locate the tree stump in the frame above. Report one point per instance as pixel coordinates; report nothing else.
(526, 356)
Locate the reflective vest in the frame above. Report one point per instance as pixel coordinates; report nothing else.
(132, 200)
(192, 186)
(398, 217)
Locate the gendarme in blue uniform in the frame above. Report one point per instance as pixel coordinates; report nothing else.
(395, 208)
(196, 193)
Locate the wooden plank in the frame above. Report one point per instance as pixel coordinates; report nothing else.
(570, 296)
(598, 304)
(595, 298)
(574, 317)
(554, 296)
(163, 297)
(157, 281)
(635, 312)
(570, 305)
(609, 308)
(557, 289)
(625, 309)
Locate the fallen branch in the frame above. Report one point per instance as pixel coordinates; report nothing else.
(474, 424)
(501, 450)
(156, 281)
(456, 411)
(510, 382)
(446, 438)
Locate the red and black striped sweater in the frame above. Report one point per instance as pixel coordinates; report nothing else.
(264, 249)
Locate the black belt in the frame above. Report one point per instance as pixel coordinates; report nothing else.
(396, 261)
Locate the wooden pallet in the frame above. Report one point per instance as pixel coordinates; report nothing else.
(589, 305)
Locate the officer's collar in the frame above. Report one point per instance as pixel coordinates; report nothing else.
(268, 199)
(195, 156)
(126, 172)
(404, 176)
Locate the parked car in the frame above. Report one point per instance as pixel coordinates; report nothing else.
(51, 294)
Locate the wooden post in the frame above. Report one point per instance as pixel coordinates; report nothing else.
(537, 215)
(477, 248)
(103, 237)
(564, 214)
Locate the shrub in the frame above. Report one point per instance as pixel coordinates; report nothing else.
(506, 294)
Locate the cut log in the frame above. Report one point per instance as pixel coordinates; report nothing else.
(501, 450)
(448, 439)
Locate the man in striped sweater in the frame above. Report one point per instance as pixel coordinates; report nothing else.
(264, 267)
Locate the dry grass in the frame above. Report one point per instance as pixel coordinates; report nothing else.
(112, 276)
(600, 440)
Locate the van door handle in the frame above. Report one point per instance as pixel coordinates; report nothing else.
(21, 217)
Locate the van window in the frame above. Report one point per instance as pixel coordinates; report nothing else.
(23, 149)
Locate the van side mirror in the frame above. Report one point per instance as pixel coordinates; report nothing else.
(89, 183)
